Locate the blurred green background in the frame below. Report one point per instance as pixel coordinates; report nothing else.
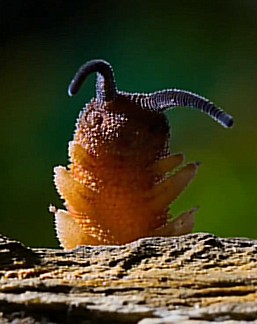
(209, 47)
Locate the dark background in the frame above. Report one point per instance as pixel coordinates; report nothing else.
(209, 47)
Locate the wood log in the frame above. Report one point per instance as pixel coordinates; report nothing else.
(195, 278)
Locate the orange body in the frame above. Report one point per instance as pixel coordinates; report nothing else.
(116, 189)
(122, 177)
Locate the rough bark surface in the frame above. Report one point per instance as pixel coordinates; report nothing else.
(196, 278)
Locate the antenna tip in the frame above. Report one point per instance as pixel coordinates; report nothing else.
(228, 121)
(71, 90)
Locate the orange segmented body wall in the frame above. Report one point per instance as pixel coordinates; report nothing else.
(122, 177)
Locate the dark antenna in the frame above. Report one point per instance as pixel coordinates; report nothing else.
(162, 100)
(158, 101)
(105, 85)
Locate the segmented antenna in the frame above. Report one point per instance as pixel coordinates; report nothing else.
(162, 100)
(157, 101)
(105, 85)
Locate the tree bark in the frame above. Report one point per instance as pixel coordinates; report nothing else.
(196, 278)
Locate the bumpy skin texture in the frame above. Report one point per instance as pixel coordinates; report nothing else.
(122, 177)
(119, 184)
